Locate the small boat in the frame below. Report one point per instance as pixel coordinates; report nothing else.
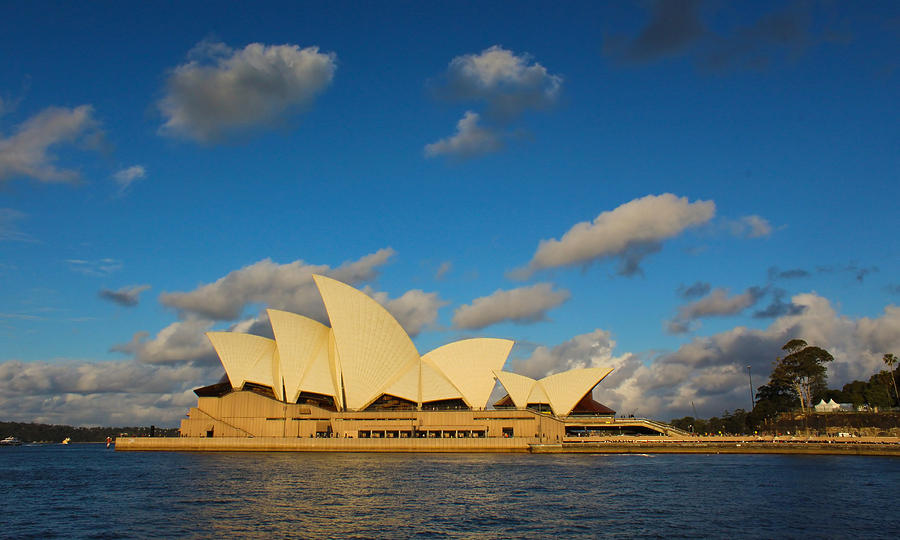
(67, 440)
(10, 441)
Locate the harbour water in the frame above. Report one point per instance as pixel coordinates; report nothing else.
(88, 491)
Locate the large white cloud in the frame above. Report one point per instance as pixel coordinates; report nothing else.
(711, 371)
(100, 393)
(220, 90)
(279, 286)
(470, 140)
(178, 343)
(26, 153)
(629, 232)
(522, 305)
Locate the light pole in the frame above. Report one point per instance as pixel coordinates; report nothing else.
(750, 378)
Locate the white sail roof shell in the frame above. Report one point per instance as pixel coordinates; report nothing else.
(517, 386)
(469, 364)
(374, 349)
(303, 350)
(248, 358)
(435, 385)
(564, 390)
(406, 386)
(537, 394)
(366, 353)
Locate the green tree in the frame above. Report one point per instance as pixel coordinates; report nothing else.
(890, 360)
(878, 390)
(771, 399)
(803, 370)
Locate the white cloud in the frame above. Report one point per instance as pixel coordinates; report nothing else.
(27, 152)
(593, 349)
(751, 226)
(180, 342)
(522, 305)
(185, 341)
(128, 175)
(507, 82)
(415, 310)
(629, 232)
(711, 371)
(126, 296)
(279, 286)
(716, 304)
(220, 90)
(470, 140)
(100, 393)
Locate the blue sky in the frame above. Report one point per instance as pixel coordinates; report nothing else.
(670, 189)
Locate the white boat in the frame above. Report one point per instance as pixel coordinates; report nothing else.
(10, 441)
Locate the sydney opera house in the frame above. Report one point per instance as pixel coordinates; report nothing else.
(360, 383)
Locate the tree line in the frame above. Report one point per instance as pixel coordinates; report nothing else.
(30, 432)
(798, 381)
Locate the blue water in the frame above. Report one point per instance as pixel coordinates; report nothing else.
(87, 491)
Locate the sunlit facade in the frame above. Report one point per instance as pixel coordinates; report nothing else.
(362, 377)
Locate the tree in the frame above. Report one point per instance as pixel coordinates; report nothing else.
(890, 360)
(803, 370)
(773, 398)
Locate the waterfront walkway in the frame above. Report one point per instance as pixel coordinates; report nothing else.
(882, 446)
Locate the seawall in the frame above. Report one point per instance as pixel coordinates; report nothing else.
(288, 444)
(870, 446)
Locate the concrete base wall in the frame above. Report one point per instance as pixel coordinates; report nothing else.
(281, 444)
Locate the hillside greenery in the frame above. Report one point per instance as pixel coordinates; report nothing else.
(797, 382)
(30, 432)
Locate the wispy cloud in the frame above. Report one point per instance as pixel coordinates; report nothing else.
(126, 296)
(9, 230)
(676, 28)
(791, 273)
(696, 290)
(27, 152)
(718, 303)
(125, 177)
(444, 269)
(751, 226)
(99, 267)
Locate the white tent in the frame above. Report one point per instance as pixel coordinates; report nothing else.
(829, 406)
